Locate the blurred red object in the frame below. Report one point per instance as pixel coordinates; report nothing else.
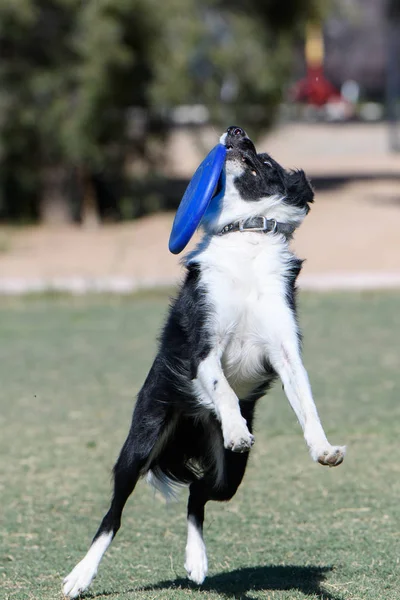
(315, 89)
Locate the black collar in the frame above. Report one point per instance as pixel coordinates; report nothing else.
(260, 224)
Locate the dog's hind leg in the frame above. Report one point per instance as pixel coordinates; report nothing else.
(209, 488)
(132, 461)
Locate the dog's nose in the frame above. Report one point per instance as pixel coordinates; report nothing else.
(236, 132)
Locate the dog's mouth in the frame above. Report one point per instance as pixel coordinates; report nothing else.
(241, 149)
(247, 160)
(245, 156)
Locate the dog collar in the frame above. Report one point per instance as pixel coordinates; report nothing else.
(261, 224)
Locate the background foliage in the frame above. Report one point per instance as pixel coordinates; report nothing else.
(82, 83)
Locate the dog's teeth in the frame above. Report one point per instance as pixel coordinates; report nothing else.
(254, 173)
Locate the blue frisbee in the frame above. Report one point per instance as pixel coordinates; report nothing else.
(196, 199)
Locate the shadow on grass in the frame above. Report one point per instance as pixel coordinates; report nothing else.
(238, 583)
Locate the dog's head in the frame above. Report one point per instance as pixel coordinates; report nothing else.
(255, 185)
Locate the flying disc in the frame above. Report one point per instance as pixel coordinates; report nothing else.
(196, 199)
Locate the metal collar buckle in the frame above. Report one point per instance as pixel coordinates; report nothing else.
(275, 227)
(264, 226)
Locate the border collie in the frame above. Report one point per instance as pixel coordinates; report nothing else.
(231, 331)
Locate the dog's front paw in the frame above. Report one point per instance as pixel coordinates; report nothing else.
(331, 456)
(237, 437)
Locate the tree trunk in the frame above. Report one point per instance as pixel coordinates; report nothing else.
(89, 213)
(54, 207)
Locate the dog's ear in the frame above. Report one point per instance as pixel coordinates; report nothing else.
(298, 189)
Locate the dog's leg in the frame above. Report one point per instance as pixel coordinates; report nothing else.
(129, 466)
(196, 563)
(286, 360)
(214, 392)
(208, 489)
(125, 478)
(202, 491)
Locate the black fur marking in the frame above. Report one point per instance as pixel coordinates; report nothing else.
(185, 340)
(298, 190)
(291, 278)
(268, 181)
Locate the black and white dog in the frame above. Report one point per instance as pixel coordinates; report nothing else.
(231, 331)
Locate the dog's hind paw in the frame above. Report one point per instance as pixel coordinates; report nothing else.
(330, 457)
(78, 580)
(196, 565)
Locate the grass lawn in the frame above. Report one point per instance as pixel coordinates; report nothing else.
(69, 372)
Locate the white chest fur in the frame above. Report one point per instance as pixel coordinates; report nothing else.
(244, 278)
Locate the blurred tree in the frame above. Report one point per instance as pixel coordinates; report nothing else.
(34, 56)
(71, 71)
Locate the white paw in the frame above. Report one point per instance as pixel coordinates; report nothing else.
(237, 437)
(196, 564)
(79, 579)
(330, 456)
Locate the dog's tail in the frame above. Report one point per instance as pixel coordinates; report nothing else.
(168, 487)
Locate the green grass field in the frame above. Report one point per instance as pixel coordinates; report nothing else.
(69, 372)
